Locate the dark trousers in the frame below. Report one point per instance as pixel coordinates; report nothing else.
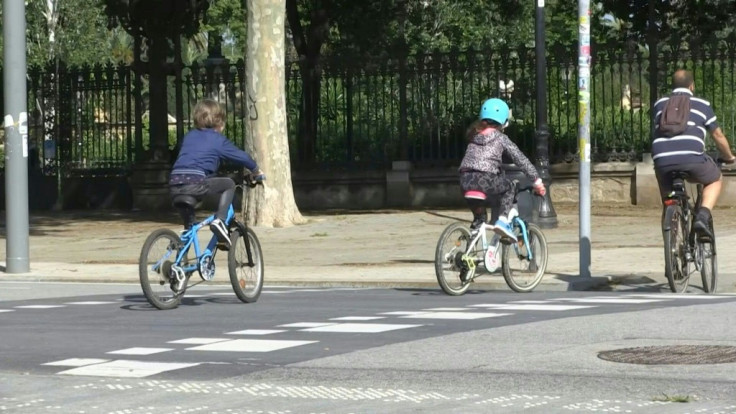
(225, 188)
(220, 188)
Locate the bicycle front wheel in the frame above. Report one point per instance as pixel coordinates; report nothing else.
(675, 249)
(524, 263)
(154, 267)
(245, 276)
(708, 266)
(453, 272)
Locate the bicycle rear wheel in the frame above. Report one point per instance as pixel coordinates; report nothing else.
(453, 273)
(521, 272)
(246, 278)
(708, 266)
(154, 267)
(675, 249)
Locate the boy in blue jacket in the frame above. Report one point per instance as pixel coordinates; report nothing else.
(202, 150)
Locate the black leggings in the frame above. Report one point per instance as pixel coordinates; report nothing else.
(225, 187)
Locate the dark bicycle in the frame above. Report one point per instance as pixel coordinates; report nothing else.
(684, 250)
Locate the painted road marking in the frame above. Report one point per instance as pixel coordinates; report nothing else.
(357, 318)
(140, 351)
(76, 362)
(39, 306)
(305, 325)
(256, 332)
(198, 341)
(127, 369)
(454, 315)
(250, 345)
(533, 307)
(621, 301)
(359, 327)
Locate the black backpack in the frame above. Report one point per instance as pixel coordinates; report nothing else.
(675, 115)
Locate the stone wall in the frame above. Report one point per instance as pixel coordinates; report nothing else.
(403, 186)
(406, 187)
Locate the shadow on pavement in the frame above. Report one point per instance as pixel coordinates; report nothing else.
(139, 302)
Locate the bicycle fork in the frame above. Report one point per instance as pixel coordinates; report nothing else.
(525, 238)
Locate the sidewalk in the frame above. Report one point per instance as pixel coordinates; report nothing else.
(388, 249)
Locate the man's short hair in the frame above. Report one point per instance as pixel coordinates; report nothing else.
(682, 79)
(208, 113)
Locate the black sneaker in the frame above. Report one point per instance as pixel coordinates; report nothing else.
(702, 225)
(218, 228)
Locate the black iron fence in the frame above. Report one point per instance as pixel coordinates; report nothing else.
(93, 120)
(418, 107)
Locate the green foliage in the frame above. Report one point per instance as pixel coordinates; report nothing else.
(228, 19)
(153, 19)
(75, 32)
(672, 21)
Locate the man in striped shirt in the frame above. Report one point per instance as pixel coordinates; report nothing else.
(686, 151)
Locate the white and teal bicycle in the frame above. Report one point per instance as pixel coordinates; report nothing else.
(462, 255)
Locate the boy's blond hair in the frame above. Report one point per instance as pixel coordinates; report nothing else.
(208, 113)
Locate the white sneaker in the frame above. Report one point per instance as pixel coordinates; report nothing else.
(218, 228)
(504, 229)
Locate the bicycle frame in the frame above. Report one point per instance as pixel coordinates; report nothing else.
(190, 239)
(681, 197)
(481, 236)
(525, 235)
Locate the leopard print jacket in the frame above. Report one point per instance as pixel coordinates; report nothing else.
(485, 151)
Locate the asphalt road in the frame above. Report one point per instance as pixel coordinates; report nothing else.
(84, 348)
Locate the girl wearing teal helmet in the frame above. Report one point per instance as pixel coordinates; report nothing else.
(482, 178)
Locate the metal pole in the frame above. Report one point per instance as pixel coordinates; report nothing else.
(584, 65)
(547, 217)
(16, 137)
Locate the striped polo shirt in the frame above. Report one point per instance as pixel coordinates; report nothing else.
(690, 145)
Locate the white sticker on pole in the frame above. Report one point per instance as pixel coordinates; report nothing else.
(8, 121)
(23, 130)
(540, 3)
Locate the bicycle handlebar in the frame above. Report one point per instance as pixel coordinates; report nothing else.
(723, 164)
(250, 181)
(529, 188)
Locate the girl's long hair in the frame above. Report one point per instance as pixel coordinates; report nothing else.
(480, 125)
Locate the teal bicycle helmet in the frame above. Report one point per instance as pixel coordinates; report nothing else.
(495, 110)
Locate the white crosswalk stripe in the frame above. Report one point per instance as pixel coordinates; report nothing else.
(250, 345)
(532, 307)
(621, 301)
(140, 351)
(359, 327)
(198, 341)
(127, 368)
(39, 306)
(454, 315)
(256, 332)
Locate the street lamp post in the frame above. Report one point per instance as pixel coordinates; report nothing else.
(547, 217)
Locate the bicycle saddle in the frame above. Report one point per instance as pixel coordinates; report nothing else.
(683, 175)
(184, 201)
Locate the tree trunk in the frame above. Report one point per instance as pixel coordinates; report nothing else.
(267, 136)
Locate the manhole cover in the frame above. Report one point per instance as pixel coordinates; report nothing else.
(672, 355)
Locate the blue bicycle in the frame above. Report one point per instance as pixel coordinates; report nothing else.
(168, 259)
